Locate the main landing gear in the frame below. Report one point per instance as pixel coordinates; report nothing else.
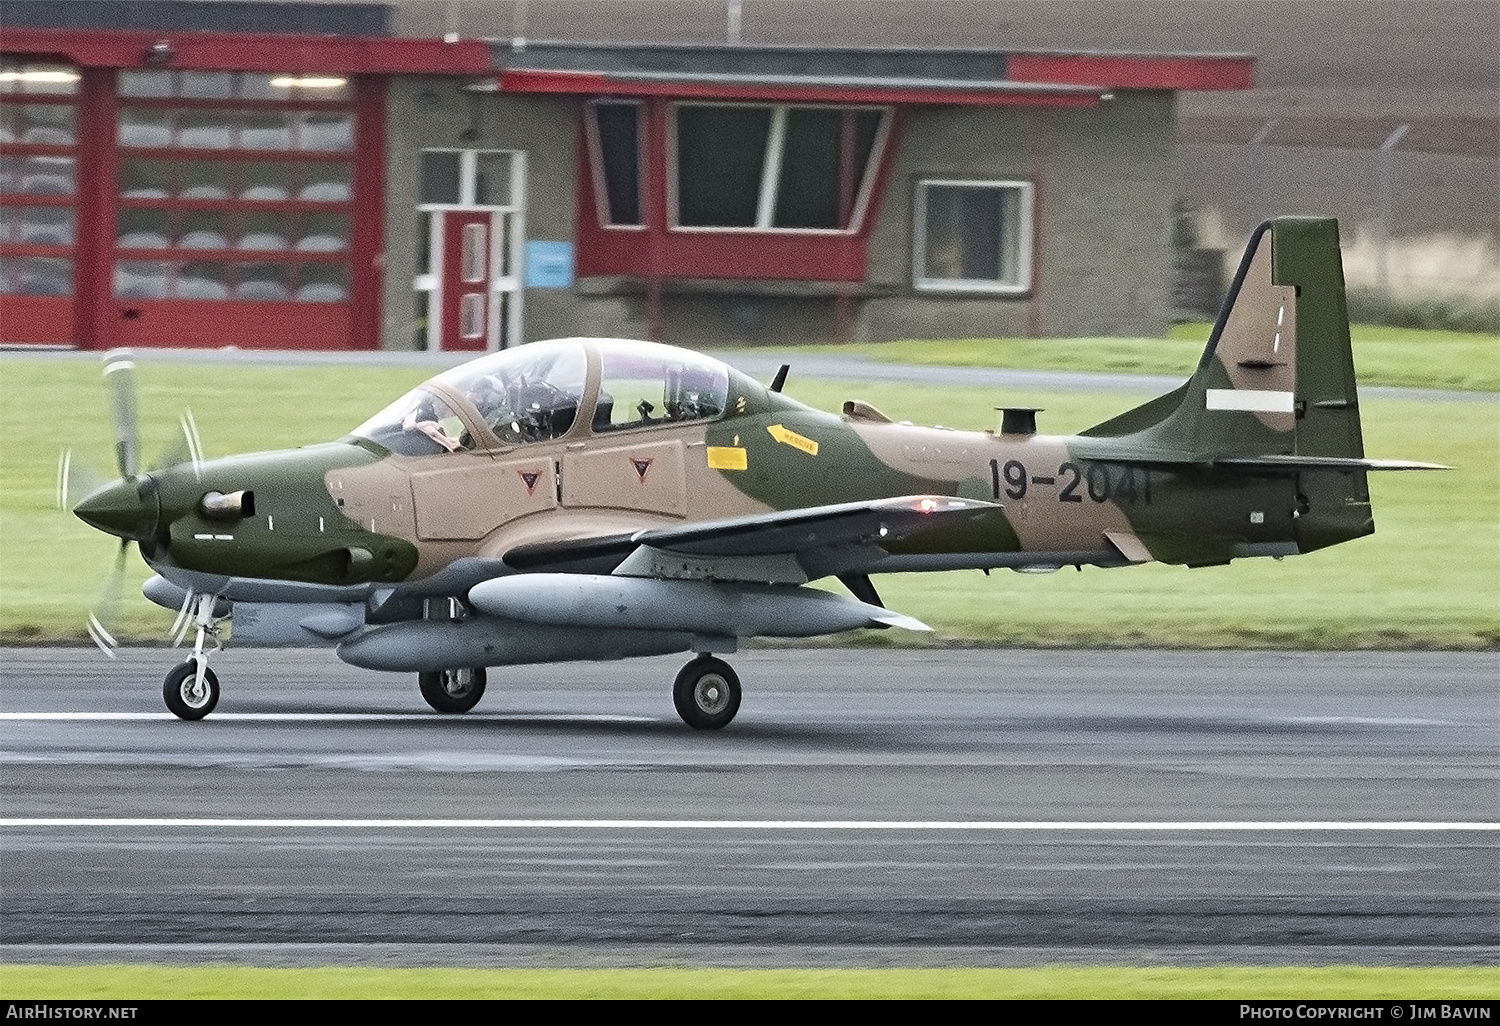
(707, 693)
(452, 691)
(191, 689)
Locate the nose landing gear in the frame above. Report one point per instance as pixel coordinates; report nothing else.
(191, 689)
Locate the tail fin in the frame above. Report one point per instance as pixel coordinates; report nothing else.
(1274, 394)
(1277, 376)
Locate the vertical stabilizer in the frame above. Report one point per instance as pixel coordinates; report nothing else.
(1277, 375)
(1274, 393)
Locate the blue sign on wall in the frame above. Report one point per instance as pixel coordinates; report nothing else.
(549, 265)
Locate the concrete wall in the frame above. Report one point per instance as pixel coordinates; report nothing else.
(1103, 206)
(710, 313)
(1107, 220)
(975, 143)
(438, 113)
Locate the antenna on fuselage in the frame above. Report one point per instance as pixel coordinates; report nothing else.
(780, 378)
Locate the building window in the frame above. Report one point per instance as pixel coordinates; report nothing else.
(470, 178)
(246, 199)
(471, 315)
(771, 168)
(973, 236)
(38, 177)
(615, 149)
(237, 85)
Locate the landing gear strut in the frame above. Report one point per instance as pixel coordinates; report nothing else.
(191, 689)
(452, 691)
(707, 693)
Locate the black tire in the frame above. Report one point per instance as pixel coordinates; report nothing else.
(179, 691)
(706, 693)
(452, 691)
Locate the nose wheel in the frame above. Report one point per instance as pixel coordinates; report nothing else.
(706, 693)
(189, 694)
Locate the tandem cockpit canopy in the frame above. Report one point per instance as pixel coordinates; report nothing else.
(545, 390)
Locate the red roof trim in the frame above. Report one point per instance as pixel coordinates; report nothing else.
(523, 80)
(1141, 71)
(223, 51)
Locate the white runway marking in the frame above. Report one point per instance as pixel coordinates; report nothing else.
(1120, 826)
(340, 717)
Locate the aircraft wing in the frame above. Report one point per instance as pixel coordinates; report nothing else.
(783, 547)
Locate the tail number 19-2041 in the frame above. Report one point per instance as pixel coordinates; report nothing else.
(1101, 482)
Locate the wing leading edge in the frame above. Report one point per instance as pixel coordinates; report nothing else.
(783, 547)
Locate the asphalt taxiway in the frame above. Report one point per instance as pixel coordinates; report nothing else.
(868, 805)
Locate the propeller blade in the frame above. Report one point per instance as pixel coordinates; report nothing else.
(106, 610)
(75, 480)
(194, 442)
(102, 638)
(184, 619)
(64, 478)
(187, 449)
(119, 373)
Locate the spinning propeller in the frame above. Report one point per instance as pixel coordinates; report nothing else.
(128, 507)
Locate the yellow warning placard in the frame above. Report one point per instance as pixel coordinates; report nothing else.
(727, 457)
(786, 436)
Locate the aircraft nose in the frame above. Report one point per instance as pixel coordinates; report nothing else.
(122, 509)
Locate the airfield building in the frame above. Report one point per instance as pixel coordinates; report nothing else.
(297, 176)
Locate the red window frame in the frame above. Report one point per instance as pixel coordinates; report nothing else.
(346, 323)
(93, 317)
(43, 318)
(657, 249)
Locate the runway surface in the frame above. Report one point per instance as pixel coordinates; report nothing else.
(866, 807)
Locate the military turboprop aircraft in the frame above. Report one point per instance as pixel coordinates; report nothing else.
(599, 498)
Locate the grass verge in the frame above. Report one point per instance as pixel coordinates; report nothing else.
(146, 982)
(1395, 357)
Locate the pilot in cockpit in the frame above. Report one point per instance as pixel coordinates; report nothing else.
(488, 398)
(427, 418)
(432, 417)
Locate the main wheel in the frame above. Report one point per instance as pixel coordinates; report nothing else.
(183, 695)
(452, 691)
(707, 693)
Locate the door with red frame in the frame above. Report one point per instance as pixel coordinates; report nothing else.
(468, 315)
(468, 291)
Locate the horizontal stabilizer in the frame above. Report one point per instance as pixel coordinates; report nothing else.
(1299, 463)
(1282, 463)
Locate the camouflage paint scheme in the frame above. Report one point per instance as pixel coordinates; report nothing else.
(753, 494)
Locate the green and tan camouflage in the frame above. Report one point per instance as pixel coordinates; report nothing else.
(597, 498)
